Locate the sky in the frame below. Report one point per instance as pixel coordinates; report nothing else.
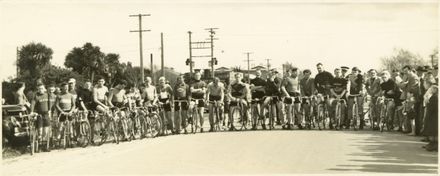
(342, 33)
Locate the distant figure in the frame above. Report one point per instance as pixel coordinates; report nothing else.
(19, 96)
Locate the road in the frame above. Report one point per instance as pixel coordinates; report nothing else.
(250, 152)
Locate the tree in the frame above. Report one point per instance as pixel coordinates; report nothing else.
(57, 75)
(88, 60)
(400, 58)
(33, 57)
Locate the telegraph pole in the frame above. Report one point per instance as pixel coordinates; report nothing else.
(212, 32)
(151, 68)
(248, 64)
(268, 64)
(190, 57)
(161, 54)
(18, 55)
(140, 41)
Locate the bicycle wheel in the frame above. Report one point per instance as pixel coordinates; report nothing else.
(238, 119)
(155, 125)
(32, 138)
(115, 130)
(195, 117)
(85, 133)
(354, 117)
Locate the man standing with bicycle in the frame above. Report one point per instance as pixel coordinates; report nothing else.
(338, 92)
(373, 89)
(291, 93)
(239, 94)
(410, 86)
(215, 93)
(389, 89)
(198, 89)
(40, 104)
(165, 96)
(307, 87)
(355, 81)
(273, 98)
(257, 89)
(181, 93)
(65, 103)
(85, 103)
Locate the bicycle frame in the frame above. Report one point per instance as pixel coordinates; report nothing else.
(307, 116)
(179, 103)
(338, 112)
(195, 115)
(216, 109)
(355, 111)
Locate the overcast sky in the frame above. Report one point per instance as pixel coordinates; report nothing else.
(352, 34)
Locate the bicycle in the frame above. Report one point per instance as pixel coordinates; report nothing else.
(179, 112)
(83, 127)
(321, 110)
(271, 110)
(217, 119)
(152, 122)
(66, 131)
(242, 121)
(138, 117)
(307, 111)
(255, 112)
(28, 124)
(195, 115)
(293, 114)
(355, 112)
(120, 123)
(384, 121)
(339, 112)
(101, 126)
(372, 113)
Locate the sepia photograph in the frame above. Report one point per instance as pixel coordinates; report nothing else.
(219, 87)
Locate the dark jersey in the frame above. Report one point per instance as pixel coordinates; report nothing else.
(261, 92)
(356, 84)
(41, 103)
(85, 96)
(273, 87)
(391, 90)
(198, 84)
(238, 89)
(339, 85)
(322, 79)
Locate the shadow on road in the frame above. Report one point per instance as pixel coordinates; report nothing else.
(390, 153)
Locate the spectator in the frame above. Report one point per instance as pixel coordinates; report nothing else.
(19, 96)
(431, 119)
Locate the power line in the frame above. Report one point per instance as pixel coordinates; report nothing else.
(140, 41)
(213, 60)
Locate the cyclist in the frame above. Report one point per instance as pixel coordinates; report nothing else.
(40, 104)
(100, 96)
(117, 98)
(258, 91)
(72, 87)
(149, 95)
(355, 81)
(134, 97)
(85, 103)
(338, 91)
(65, 103)
(181, 93)
(307, 89)
(390, 89)
(238, 91)
(291, 92)
(273, 94)
(165, 95)
(373, 89)
(323, 80)
(198, 89)
(410, 86)
(215, 92)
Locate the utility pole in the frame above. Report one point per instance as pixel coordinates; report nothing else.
(140, 41)
(268, 64)
(212, 32)
(18, 55)
(161, 54)
(248, 64)
(190, 57)
(151, 67)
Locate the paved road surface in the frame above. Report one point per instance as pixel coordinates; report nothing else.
(252, 152)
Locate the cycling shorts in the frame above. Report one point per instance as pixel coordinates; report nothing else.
(294, 98)
(184, 106)
(43, 120)
(201, 103)
(63, 117)
(166, 106)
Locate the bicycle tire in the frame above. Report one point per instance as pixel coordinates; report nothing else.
(156, 126)
(32, 140)
(86, 133)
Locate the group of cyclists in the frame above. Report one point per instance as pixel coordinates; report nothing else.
(334, 100)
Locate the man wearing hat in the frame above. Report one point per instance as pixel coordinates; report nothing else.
(273, 85)
(344, 70)
(356, 85)
(72, 87)
(372, 86)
